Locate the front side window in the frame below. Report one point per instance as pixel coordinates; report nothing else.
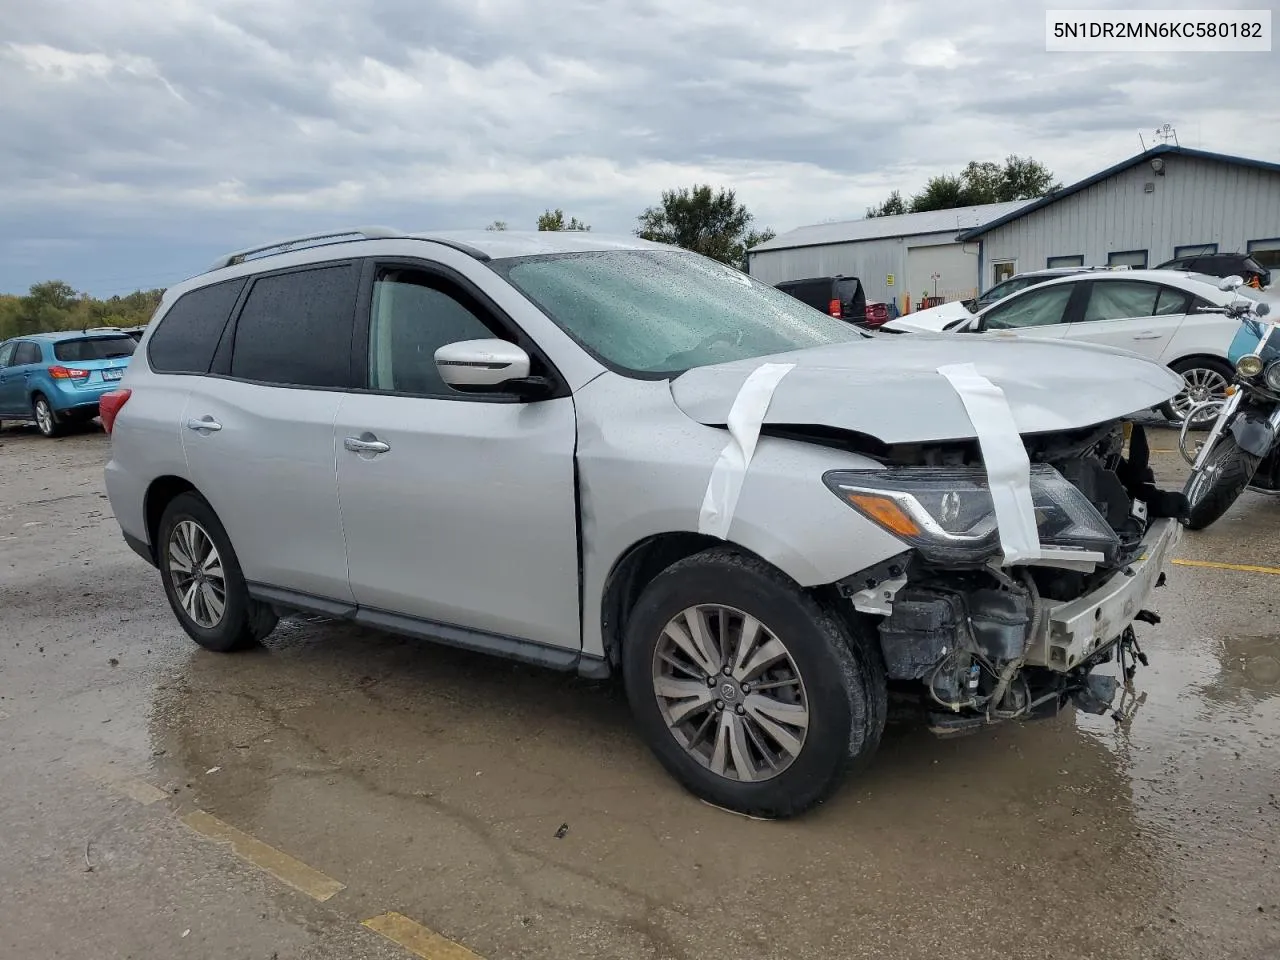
(1037, 308)
(413, 315)
(27, 352)
(295, 328)
(1172, 302)
(1120, 299)
(659, 313)
(94, 348)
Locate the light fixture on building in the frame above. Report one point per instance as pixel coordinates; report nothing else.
(1157, 164)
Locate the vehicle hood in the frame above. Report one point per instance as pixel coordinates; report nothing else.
(888, 387)
(931, 320)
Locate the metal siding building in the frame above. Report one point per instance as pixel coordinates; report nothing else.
(910, 247)
(1131, 211)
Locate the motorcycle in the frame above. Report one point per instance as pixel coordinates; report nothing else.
(1242, 449)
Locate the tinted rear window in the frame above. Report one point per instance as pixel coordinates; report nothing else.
(295, 328)
(94, 348)
(188, 333)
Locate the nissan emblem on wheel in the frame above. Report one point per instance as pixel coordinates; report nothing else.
(617, 458)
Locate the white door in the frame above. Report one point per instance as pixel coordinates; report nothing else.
(1131, 315)
(1037, 312)
(466, 513)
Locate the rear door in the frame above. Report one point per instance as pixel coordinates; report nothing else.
(7, 398)
(258, 430)
(1039, 312)
(1134, 315)
(15, 379)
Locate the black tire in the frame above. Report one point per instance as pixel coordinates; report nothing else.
(842, 674)
(47, 420)
(1220, 367)
(1229, 471)
(244, 621)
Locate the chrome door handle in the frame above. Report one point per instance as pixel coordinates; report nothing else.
(361, 445)
(204, 423)
(1147, 336)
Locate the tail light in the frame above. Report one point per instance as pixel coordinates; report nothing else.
(68, 373)
(833, 308)
(109, 405)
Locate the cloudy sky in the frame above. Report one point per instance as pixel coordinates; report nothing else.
(141, 138)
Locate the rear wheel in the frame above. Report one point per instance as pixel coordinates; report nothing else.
(1204, 381)
(47, 421)
(1211, 491)
(202, 578)
(748, 691)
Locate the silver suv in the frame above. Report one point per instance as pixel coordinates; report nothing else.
(614, 457)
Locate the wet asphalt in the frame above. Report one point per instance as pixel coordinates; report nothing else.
(515, 811)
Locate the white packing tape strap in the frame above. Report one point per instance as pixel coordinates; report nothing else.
(1005, 456)
(745, 417)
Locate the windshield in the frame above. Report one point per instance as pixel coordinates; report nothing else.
(96, 348)
(659, 313)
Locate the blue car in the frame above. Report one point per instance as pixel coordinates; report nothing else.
(56, 379)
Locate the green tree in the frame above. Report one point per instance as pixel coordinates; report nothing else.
(554, 220)
(56, 305)
(1019, 178)
(891, 207)
(711, 223)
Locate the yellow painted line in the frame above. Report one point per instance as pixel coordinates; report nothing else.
(1154, 450)
(1242, 567)
(280, 865)
(417, 939)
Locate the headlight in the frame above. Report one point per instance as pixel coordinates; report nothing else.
(948, 514)
(1249, 366)
(1273, 375)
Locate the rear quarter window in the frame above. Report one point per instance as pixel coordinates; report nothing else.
(94, 348)
(187, 335)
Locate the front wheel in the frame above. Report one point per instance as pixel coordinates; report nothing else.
(1204, 382)
(747, 690)
(1211, 490)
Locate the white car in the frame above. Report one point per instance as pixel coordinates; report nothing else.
(1155, 313)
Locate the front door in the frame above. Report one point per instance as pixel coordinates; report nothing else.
(464, 513)
(1131, 315)
(1038, 312)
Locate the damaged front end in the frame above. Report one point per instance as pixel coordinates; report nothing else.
(982, 640)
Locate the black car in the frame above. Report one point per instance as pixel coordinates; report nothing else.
(1223, 265)
(838, 296)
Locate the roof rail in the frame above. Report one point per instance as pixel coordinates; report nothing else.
(287, 246)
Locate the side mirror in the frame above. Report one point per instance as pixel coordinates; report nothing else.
(489, 365)
(1230, 283)
(1262, 308)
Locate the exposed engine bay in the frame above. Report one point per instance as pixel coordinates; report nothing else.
(982, 643)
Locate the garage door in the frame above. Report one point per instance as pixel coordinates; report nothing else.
(957, 272)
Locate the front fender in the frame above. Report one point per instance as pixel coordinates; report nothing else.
(1255, 429)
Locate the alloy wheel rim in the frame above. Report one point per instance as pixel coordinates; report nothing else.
(198, 578)
(44, 417)
(1202, 386)
(730, 693)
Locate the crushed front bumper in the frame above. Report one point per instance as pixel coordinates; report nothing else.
(1077, 629)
